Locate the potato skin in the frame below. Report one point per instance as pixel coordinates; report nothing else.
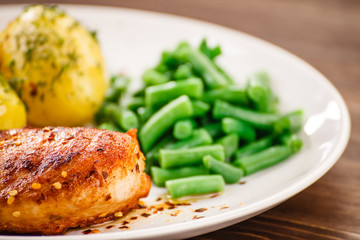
(55, 65)
(12, 110)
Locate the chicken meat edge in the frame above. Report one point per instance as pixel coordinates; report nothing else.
(53, 179)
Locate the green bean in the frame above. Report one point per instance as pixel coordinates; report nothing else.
(168, 62)
(110, 112)
(184, 128)
(202, 65)
(254, 147)
(266, 158)
(184, 71)
(292, 140)
(160, 175)
(205, 120)
(291, 122)
(214, 129)
(230, 143)
(144, 113)
(109, 126)
(195, 185)
(230, 173)
(260, 120)
(139, 93)
(156, 96)
(103, 114)
(107, 111)
(123, 117)
(259, 91)
(231, 125)
(258, 84)
(153, 77)
(118, 86)
(224, 73)
(200, 137)
(162, 120)
(135, 102)
(211, 53)
(127, 119)
(165, 142)
(172, 158)
(200, 108)
(150, 162)
(186, 90)
(152, 156)
(232, 94)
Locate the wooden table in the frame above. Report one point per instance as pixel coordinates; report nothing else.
(325, 33)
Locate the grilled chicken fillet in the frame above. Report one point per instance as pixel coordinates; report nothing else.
(52, 179)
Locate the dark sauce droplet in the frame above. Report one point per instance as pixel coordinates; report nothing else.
(146, 214)
(87, 231)
(200, 210)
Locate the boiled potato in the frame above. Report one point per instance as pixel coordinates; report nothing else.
(12, 110)
(55, 65)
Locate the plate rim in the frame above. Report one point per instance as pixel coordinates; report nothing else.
(226, 218)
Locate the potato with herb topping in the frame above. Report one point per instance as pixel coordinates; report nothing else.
(12, 110)
(55, 65)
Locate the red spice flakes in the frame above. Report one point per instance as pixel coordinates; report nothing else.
(51, 136)
(108, 197)
(146, 214)
(133, 218)
(69, 137)
(89, 231)
(160, 207)
(215, 195)
(197, 217)
(155, 212)
(183, 204)
(242, 182)
(110, 226)
(33, 89)
(175, 213)
(200, 210)
(169, 204)
(123, 227)
(105, 175)
(223, 208)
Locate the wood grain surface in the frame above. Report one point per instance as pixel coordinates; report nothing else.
(325, 33)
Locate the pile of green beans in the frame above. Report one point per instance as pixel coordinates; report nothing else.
(197, 129)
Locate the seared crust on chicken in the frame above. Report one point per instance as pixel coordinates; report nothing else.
(52, 179)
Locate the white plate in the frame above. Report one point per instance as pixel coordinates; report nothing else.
(133, 40)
